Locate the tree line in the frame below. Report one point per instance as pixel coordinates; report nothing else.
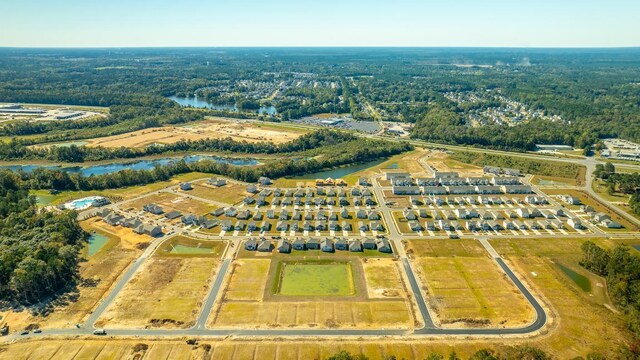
(38, 249)
(621, 269)
(339, 154)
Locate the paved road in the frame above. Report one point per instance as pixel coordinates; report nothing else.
(201, 323)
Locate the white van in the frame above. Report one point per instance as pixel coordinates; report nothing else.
(100, 332)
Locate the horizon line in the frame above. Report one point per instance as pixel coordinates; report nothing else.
(320, 47)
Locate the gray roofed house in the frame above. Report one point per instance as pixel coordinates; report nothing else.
(321, 225)
(373, 215)
(284, 246)
(264, 181)
(243, 215)
(257, 215)
(369, 243)
(361, 214)
(226, 225)
(189, 219)
(313, 244)
(345, 214)
(271, 214)
(284, 215)
(415, 226)
(208, 224)
(151, 230)
(153, 209)
(251, 225)
(264, 245)
(231, 211)
(346, 226)
(362, 226)
(297, 215)
(333, 225)
(265, 226)
(186, 186)
(341, 244)
(173, 215)
(355, 246)
(239, 226)
(327, 245)
(252, 189)
(306, 226)
(282, 226)
(299, 244)
(217, 182)
(251, 244)
(384, 246)
(249, 200)
(376, 226)
(217, 212)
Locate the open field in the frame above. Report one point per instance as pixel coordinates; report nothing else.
(441, 161)
(333, 314)
(540, 180)
(166, 293)
(249, 299)
(315, 279)
(213, 128)
(236, 349)
(248, 280)
(472, 291)
(230, 193)
(445, 248)
(169, 202)
(383, 279)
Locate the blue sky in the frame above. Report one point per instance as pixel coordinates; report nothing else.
(513, 23)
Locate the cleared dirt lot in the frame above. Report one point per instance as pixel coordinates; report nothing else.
(170, 202)
(383, 279)
(166, 293)
(465, 287)
(473, 292)
(215, 128)
(245, 305)
(229, 194)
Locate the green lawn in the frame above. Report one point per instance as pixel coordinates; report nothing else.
(316, 279)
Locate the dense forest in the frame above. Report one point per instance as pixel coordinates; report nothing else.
(622, 271)
(582, 95)
(38, 249)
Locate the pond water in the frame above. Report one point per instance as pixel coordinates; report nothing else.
(543, 182)
(197, 103)
(340, 172)
(184, 249)
(96, 242)
(581, 280)
(133, 165)
(637, 247)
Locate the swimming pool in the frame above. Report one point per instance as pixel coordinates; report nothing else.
(81, 204)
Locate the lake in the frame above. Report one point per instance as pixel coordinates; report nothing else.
(96, 242)
(340, 172)
(197, 103)
(133, 165)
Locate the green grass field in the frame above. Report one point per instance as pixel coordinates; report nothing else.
(316, 279)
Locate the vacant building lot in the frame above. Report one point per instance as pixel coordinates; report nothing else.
(230, 193)
(217, 128)
(166, 292)
(383, 279)
(170, 202)
(315, 279)
(296, 293)
(468, 288)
